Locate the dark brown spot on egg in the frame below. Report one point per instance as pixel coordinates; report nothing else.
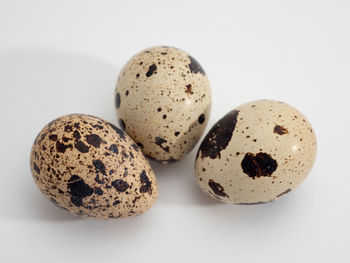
(257, 165)
(117, 100)
(118, 131)
(219, 136)
(164, 116)
(113, 148)
(61, 148)
(78, 190)
(217, 188)
(140, 144)
(136, 148)
(151, 70)
(145, 183)
(188, 89)
(81, 146)
(97, 126)
(98, 191)
(195, 67)
(36, 168)
(176, 133)
(201, 119)
(42, 137)
(120, 185)
(116, 202)
(160, 141)
(53, 137)
(94, 140)
(76, 134)
(280, 130)
(68, 128)
(121, 124)
(135, 199)
(99, 166)
(125, 154)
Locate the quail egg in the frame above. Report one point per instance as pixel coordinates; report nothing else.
(91, 168)
(256, 153)
(163, 99)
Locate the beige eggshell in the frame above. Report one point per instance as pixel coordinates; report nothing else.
(163, 102)
(91, 168)
(256, 153)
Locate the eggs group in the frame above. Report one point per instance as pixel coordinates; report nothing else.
(163, 100)
(256, 153)
(91, 168)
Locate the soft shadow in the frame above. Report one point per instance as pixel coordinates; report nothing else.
(39, 208)
(177, 183)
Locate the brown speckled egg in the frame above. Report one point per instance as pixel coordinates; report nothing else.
(256, 153)
(163, 102)
(91, 168)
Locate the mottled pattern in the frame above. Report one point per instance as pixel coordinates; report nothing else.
(91, 168)
(256, 153)
(162, 92)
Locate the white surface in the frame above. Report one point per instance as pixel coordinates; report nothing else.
(59, 57)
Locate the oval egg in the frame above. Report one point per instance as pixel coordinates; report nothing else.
(256, 153)
(91, 168)
(163, 100)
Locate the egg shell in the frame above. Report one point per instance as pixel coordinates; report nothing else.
(91, 168)
(256, 153)
(163, 101)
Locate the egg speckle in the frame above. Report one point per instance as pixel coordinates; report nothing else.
(256, 153)
(91, 168)
(163, 102)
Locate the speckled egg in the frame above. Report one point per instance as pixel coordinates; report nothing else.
(163, 102)
(91, 168)
(256, 153)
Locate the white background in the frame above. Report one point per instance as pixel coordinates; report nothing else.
(60, 57)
